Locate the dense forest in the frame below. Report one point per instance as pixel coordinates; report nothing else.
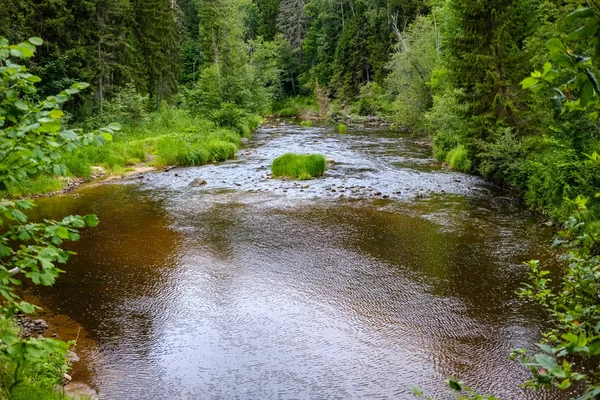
(505, 89)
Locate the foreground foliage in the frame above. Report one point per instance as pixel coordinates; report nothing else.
(32, 143)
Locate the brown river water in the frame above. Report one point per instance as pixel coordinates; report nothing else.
(254, 288)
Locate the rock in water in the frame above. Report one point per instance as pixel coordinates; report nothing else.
(198, 182)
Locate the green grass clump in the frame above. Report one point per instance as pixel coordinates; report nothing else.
(193, 150)
(307, 123)
(458, 159)
(300, 166)
(343, 129)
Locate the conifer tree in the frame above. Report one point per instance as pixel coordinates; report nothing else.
(269, 12)
(156, 33)
(292, 23)
(116, 55)
(484, 44)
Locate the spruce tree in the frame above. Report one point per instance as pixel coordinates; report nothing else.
(484, 45)
(156, 32)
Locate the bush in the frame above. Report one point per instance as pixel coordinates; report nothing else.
(458, 159)
(301, 166)
(306, 123)
(342, 128)
(371, 101)
(295, 107)
(501, 157)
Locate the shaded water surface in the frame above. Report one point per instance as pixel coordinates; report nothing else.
(253, 288)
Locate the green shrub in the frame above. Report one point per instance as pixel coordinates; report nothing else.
(343, 129)
(502, 156)
(294, 107)
(302, 166)
(306, 123)
(371, 101)
(458, 159)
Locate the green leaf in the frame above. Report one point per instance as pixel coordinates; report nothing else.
(16, 53)
(594, 347)
(26, 49)
(19, 216)
(20, 104)
(585, 31)
(115, 126)
(91, 220)
(581, 13)
(80, 85)
(68, 135)
(56, 114)
(50, 126)
(537, 88)
(36, 41)
(564, 384)
(590, 75)
(546, 361)
(562, 59)
(529, 82)
(5, 251)
(556, 45)
(27, 308)
(62, 232)
(558, 102)
(587, 93)
(454, 385)
(8, 338)
(24, 204)
(59, 170)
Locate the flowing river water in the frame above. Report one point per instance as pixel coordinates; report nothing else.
(389, 272)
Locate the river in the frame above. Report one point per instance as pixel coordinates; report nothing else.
(254, 288)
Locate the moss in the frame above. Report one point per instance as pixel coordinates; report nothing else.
(300, 166)
(343, 129)
(307, 123)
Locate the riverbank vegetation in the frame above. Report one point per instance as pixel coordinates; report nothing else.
(299, 166)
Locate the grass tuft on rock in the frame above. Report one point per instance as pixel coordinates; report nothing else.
(299, 166)
(343, 129)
